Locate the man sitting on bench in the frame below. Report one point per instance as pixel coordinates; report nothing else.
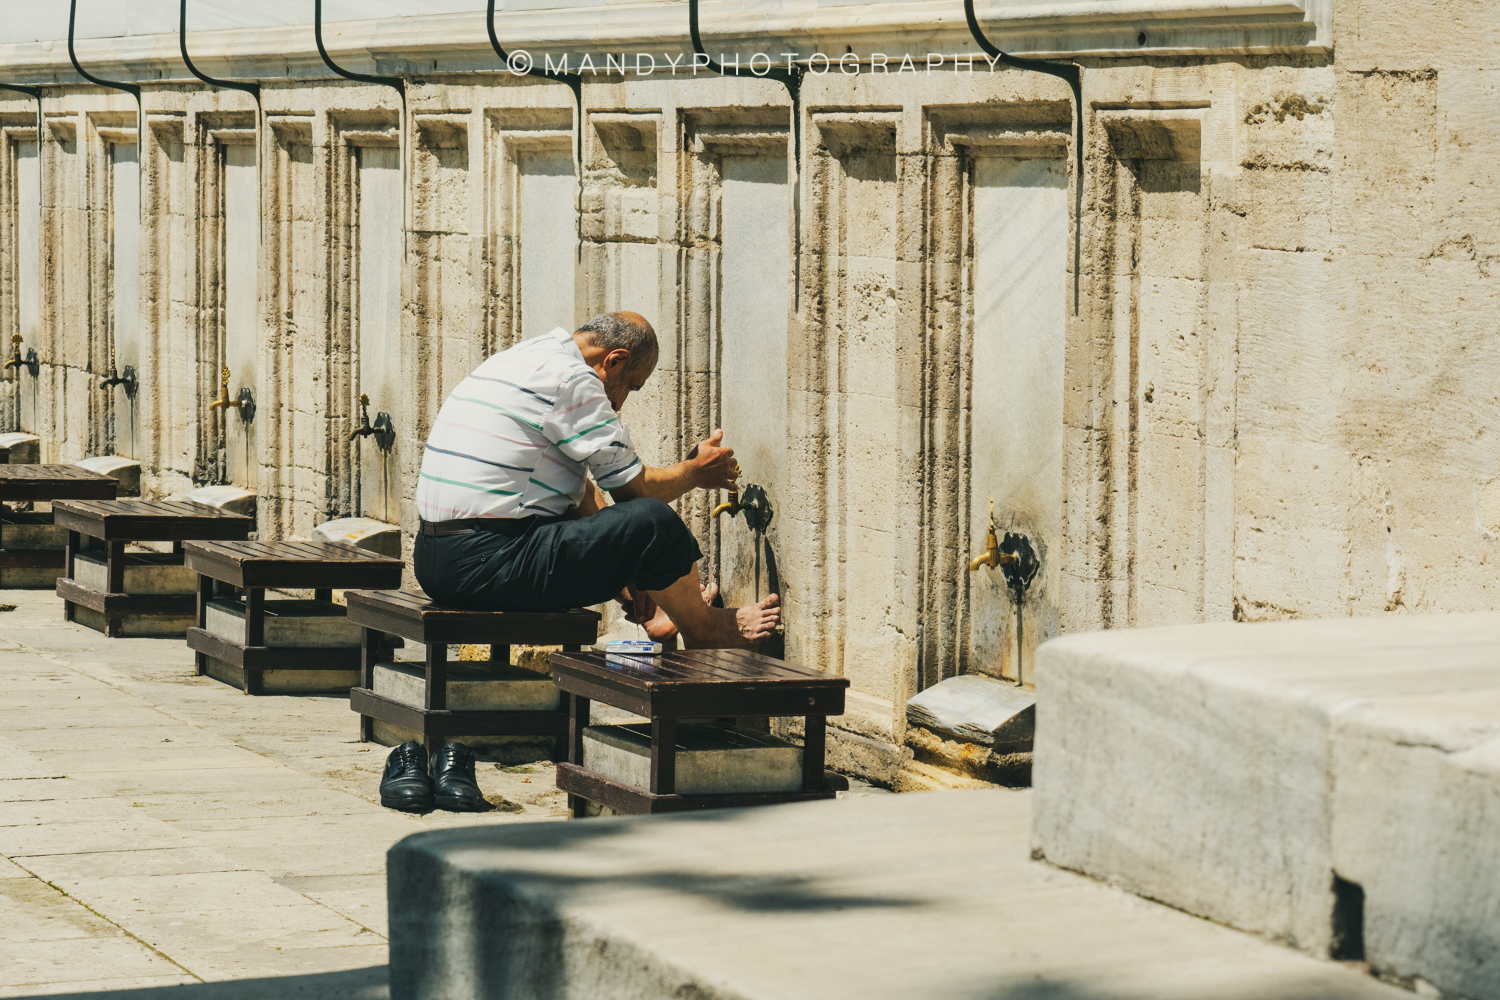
(511, 520)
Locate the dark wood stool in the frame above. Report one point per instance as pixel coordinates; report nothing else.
(251, 567)
(41, 483)
(722, 684)
(413, 617)
(115, 522)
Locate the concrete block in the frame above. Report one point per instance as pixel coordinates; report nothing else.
(712, 759)
(1257, 773)
(976, 709)
(505, 749)
(25, 449)
(228, 498)
(126, 470)
(29, 530)
(472, 686)
(287, 623)
(136, 626)
(286, 681)
(362, 532)
(875, 898)
(145, 573)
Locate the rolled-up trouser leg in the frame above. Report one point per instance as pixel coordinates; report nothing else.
(559, 563)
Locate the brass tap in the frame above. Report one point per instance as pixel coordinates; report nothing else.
(732, 505)
(364, 429)
(15, 352)
(992, 557)
(114, 378)
(224, 400)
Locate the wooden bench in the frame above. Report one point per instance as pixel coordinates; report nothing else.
(252, 567)
(413, 617)
(111, 524)
(722, 684)
(29, 554)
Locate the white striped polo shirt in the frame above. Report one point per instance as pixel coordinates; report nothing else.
(515, 438)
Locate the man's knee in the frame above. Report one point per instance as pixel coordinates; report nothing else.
(652, 513)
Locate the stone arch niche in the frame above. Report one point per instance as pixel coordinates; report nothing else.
(998, 300)
(20, 279)
(735, 252)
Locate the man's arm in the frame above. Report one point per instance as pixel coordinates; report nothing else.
(708, 466)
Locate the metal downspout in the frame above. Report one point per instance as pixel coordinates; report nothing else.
(574, 82)
(792, 80)
(1072, 73)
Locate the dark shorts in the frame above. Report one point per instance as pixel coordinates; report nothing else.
(547, 564)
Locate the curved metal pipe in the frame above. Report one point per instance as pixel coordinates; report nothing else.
(253, 89)
(1072, 74)
(129, 88)
(574, 82)
(792, 80)
(386, 81)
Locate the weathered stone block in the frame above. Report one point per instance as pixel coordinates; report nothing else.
(976, 709)
(29, 530)
(145, 573)
(472, 686)
(712, 759)
(229, 498)
(25, 449)
(286, 681)
(126, 470)
(287, 623)
(362, 532)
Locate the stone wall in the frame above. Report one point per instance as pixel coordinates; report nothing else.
(1266, 393)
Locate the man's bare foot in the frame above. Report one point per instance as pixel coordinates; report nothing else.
(738, 628)
(661, 627)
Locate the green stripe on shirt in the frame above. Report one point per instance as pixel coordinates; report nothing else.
(575, 437)
(508, 413)
(471, 486)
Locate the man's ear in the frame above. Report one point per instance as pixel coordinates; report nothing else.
(618, 358)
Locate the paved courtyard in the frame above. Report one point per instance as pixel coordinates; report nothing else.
(161, 828)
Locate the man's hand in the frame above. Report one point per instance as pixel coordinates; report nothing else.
(714, 467)
(639, 609)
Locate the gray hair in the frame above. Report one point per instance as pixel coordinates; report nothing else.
(612, 333)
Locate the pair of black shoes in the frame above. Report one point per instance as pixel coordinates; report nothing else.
(413, 783)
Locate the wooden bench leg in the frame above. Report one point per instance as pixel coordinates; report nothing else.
(70, 554)
(205, 595)
(255, 634)
(370, 643)
(663, 756)
(578, 719)
(814, 750)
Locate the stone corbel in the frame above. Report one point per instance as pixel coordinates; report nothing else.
(1174, 134)
(840, 134)
(448, 131)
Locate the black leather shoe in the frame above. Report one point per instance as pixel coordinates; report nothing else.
(453, 784)
(405, 784)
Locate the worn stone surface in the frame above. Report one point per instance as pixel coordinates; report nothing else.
(127, 471)
(1236, 770)
(145, 573)
(885, 896)
(471, 685)
(157, 827)
(286, 623)
(362, 532)
(25, 449)
(976, 709)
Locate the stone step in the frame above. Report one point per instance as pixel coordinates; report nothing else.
(1330, 784)
(145, 573)
(890, 897)
(30, 530)
(472, 686)
(712, 758)
(287, 623)
(127, 471)
(25, 449)
(362, 532)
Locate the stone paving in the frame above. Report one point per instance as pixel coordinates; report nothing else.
(160, 828)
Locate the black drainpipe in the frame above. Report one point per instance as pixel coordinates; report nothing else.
(792, 80)
(140, 120)
(574, 82)
(1072, 73)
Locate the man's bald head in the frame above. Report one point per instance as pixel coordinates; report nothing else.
(623, 331)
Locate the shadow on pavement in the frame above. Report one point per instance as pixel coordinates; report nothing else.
(351, 984)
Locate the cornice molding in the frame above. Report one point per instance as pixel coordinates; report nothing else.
(457, 43)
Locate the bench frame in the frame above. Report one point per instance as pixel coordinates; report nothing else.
(665, 708)
(434, 721)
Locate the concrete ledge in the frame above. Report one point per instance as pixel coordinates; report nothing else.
(286, 623)
(712, 759)
(1236, 771)
(362, 532)
(471, 686)
(145, 573)
(889, 897)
